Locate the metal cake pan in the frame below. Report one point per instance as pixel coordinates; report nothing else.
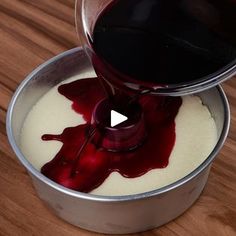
(104, 214)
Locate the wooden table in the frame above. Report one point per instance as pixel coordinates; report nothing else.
(32, 31)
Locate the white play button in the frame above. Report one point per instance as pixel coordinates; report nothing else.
(117, 118)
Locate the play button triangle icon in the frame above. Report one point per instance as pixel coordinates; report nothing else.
(117, 118)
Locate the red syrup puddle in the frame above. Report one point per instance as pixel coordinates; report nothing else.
(88, 170)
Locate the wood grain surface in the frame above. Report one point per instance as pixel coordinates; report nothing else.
(32, 31)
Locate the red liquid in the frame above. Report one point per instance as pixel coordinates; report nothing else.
(163, 42)
(88, 170)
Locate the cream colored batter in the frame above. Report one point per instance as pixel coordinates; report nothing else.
(196, 136)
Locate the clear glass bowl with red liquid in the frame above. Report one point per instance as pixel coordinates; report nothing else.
(170, 47)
